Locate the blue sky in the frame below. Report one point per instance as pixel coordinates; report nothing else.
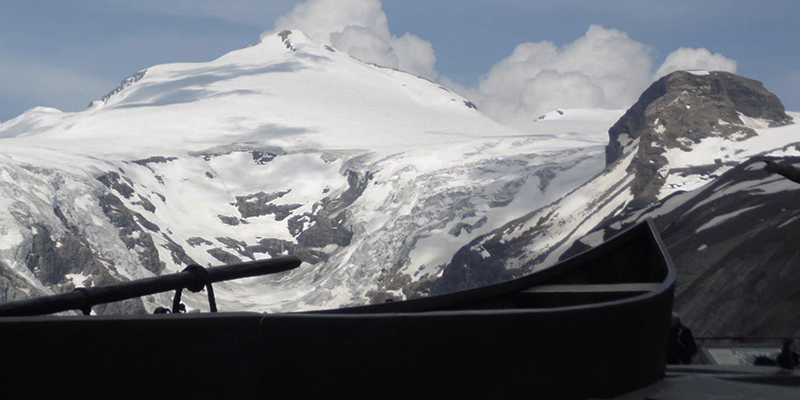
(66, 53)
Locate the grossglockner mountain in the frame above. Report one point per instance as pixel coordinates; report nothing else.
(385, 184)
(372, 176)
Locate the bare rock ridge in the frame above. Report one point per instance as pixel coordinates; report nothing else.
(125, 84)
(681, 109)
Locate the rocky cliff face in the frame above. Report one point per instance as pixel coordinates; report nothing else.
(682, 109)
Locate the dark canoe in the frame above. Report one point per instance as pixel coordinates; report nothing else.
(595, 325)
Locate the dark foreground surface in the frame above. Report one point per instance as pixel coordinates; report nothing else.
(595, 325)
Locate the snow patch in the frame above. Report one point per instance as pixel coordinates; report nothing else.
(720, 219)
(77, 279)
(593, 239)
(624, 139)
(10, 237)
(788, 221)
(754, 123)
(481, 250)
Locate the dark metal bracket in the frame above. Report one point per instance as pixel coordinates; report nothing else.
(202, 280)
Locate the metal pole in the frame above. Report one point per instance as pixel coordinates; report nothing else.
(83, 298)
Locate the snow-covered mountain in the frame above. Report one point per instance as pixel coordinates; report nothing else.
(372, 176)
(390, 186)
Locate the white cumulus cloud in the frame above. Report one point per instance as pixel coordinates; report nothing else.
(686, 58)
(361, 28)
(604, 68)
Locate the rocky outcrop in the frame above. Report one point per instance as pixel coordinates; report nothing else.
(179, 256)
(356, 184)
(738, 276)
(50, 260)
(145, 203)
(261, 154)
(125, 84)
(131, 226)
(258, 204)
(117, 183)
(461, 226)
(263, 157)
(54, 260)
(224, 257)
(682, 109)
(327, 224)
(198, 241)
(326, 231)
(13, 287)
(284, 35)
(154, 160)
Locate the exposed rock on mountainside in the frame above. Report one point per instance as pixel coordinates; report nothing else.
(682, 109)
(131, 226)
(260, 203)
(125, 83)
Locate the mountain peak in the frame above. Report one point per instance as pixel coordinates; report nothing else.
(684, 108)
(286, 38)
(288, 90)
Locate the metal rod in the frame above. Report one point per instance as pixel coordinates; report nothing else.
(91, 296)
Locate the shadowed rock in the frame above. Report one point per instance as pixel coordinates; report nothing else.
(125, 84)
(179, 256)
(224, 257)
(258, 204)
(120, 184)
(155, 160)
(130, 227)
